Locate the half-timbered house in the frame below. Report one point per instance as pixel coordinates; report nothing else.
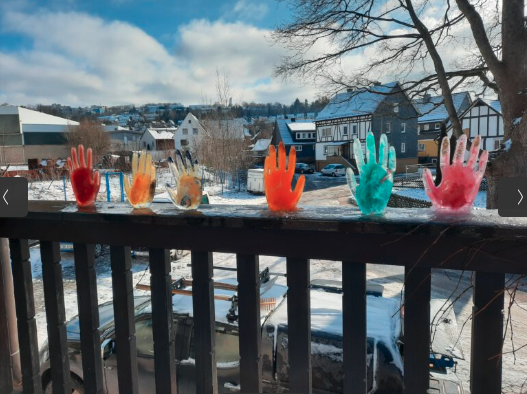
(352, 114)
(484, 118)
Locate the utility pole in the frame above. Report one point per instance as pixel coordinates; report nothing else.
(6, 280)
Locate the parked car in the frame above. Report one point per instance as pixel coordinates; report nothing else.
(384, 371)
(303, 168)
(333, 170)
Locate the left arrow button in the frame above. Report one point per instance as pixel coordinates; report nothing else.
(4, 196)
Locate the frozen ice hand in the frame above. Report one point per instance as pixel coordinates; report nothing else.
(84, 181)
(141, 193)
(376, 177)
(277, 181)
(460, 184)
(187, 192)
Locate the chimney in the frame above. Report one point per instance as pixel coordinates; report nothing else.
(376, 83)
(427, 98)
(349, 90)
(293, 119)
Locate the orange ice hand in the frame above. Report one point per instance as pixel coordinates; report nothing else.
(141, 193)
(85, 183)
(187, 192)
(277, 181)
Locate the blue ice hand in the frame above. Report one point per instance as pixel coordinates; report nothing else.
(376, 177)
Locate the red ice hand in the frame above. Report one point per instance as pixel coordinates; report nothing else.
(460, 184)
(277, 181)
(85, 184)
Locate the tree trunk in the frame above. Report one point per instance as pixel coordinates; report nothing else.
(511, 163)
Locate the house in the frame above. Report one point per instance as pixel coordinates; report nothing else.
(483, 118)
(189, 130)
(158, 139)
(124, 139)
(261, 148)
(300, 133)
(352, 114)
(432, 113)
(27, 134)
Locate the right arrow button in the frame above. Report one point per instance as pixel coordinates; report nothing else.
(510, 197)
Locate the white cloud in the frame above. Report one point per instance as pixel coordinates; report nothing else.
(78, 59)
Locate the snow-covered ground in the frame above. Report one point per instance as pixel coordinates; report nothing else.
(445, 285)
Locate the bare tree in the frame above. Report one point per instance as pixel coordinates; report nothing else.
(410, 45)
(222, 147)
(91, 135)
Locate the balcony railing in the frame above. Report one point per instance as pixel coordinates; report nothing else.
(412, 238)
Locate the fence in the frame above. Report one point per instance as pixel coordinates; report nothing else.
(412, 238)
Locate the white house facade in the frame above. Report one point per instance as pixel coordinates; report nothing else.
(484, 118)
(189, 131)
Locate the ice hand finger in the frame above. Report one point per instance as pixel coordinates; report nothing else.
(359, 157)
(474, 152)
(350, 179)
(445, 153)
(392, 160)
(383, 151)
(370, 148)
(281, 157)
(459, 155)
(181, 163)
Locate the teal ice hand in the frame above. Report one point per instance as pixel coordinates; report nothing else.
(376, 177)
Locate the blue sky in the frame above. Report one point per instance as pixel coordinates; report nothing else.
(111, 52)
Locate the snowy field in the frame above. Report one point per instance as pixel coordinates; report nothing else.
(454, 286)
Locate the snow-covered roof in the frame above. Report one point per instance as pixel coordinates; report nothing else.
(161, 134)
(494, 104)
(439, 113)
(262, 144)
(356, 103)
(283, 126)
(302, 126)
(28, 116)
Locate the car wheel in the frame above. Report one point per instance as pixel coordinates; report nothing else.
(77, 387)
(334, 174)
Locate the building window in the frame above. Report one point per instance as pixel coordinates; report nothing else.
(354, 130)
(388, 127)
(184, 142)
(144, 144)
(426, 127)
(497, 144)
(195, 131)
(298, 148)
(437, 126)
(330, 150)
(403, 147)
(326, 132)
(312, 135)
(396, 108)
(297, 136)
(403, 127)
(189, 121)
(185, 131)
(304, 136)
(345, 132)
(418, 129)
(421, 147)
